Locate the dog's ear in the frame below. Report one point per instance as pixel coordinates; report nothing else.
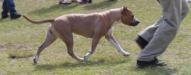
(124, 10)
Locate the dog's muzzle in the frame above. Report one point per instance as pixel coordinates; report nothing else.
(135, 22)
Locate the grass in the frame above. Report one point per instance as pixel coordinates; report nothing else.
(19, 40)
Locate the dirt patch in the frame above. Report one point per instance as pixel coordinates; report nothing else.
(2, 47)
(17, 46)
(18, 50)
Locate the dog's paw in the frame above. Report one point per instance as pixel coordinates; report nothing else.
(80, 59)
(126, 54)
(34, 61)
(85, 58)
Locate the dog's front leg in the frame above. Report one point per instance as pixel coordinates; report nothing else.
(95, 41)
(112, 40)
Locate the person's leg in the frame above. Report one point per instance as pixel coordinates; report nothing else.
(5, 11)
(13, 12)
(146, 35)
(83, 1)
(189, 1)
(61, 1)
(165, 32)
(185, 9)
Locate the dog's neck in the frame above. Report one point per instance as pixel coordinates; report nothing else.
(115, 14)
(112, 15)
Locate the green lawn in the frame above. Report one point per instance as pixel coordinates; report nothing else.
(20, 39)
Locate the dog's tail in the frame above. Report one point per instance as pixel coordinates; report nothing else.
(39, 22)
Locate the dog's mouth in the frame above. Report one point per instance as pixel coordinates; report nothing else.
(134, 23)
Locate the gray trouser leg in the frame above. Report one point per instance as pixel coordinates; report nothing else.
(162, 32)
(148, 32)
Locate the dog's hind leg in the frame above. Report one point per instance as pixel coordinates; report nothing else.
(112, 40)
(50, 38)
(68, 39)
(95, 41)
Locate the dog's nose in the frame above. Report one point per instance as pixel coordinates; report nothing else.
(135, 23)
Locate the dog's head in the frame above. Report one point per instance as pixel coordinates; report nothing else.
(128, 18)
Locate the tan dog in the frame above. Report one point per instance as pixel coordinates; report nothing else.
(94, 25)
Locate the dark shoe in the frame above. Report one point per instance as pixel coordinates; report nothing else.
(64, 3)
(142, 43)
(15, 16)
(89, 1)
(86, 1)
(153, 63)
(4, 16)
(112, 0)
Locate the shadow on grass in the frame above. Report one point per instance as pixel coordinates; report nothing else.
(19, 54)
(5, 20)
(159, 71)
(53, 8)
(68, 65)
(99, 5)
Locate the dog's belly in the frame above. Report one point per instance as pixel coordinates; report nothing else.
(86, 33)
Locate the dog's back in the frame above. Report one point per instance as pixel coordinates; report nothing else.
(83, 24)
